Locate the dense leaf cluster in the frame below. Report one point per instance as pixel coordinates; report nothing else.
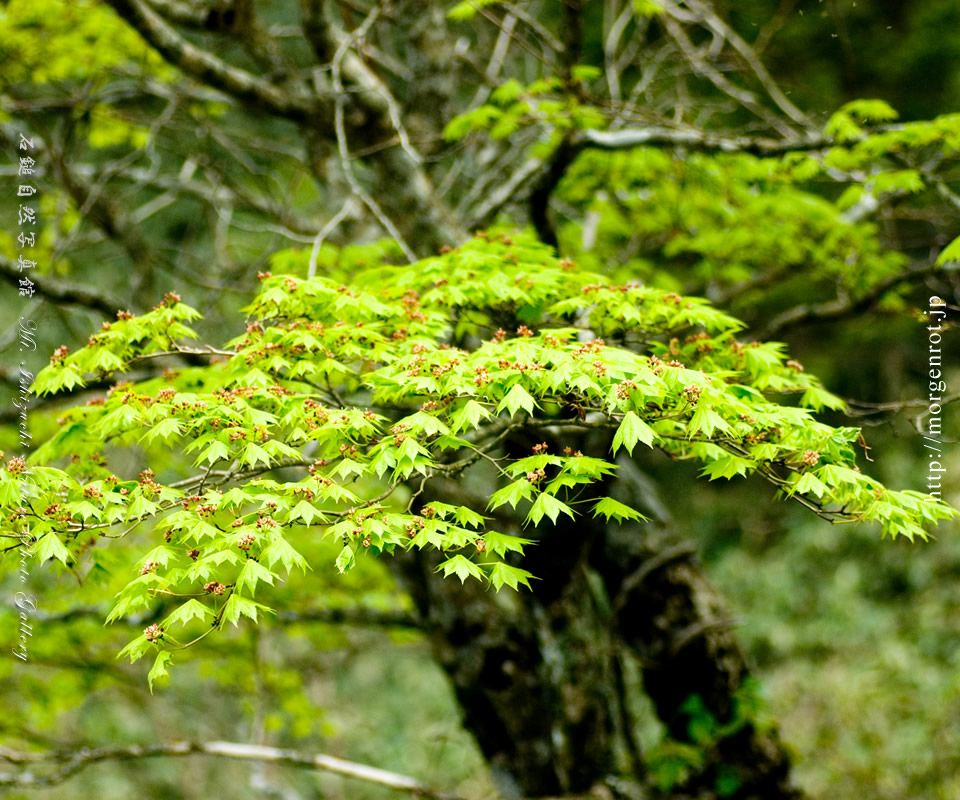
(335, 407)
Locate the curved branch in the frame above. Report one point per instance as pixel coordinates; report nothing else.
(211, 70)
(62, 292)
(721, 28)
(707, 70)
(839, 307)
(544, 174)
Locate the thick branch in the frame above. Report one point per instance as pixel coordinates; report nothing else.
(62, 292)
(105, 214)
(557, 167)
(211, 70)
(840, 307)
(544, 174)
(699, 140)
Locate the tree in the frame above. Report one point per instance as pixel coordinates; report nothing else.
(393, 408)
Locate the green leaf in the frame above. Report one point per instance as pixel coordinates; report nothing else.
(809, 483)
(462, 567)
(870, 110)
(647, 8)
(516, 398)
(818, 398)
(236, 497)
(140, 506)
(632, 430)
(548, 505)
(505, 575)
(469, 416)
(216, 451)
(238, 606)
(589, 466)
(50, 546)
(511, 494)
(500, 544)
(468, 517)
(135, 649)
(251, 574)
(159, 668)
(346, 559)
(609, 507)
(163, 430)
(307, 512)
(705, 420)
(950, 254)
(253, 454)
(468, 8)
(507, 92)
(585, 72)
(727, 467)
(281, 550)
(192, 609)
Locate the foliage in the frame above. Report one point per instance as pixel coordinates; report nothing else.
(392, 381)
(672, 761)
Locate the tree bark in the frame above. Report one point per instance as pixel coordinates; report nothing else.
(670, 617)
(536, 672)
(531, 684)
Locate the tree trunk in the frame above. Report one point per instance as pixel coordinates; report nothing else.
(674, 622)
(532, 683)
(536, 673)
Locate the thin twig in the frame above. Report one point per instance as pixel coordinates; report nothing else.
(345, 210)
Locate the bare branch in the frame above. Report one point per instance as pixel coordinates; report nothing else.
(105, 214)
(506, 192)
(535, 26)
(62, 292)
(211, 70)
(325, 231)
(70, 762)
(367, 90)
(611, 43)
(839, 307)
(704, 68)
(343, 146)
(183, 13)
(719, 27)
(700, 140)
(497, 57)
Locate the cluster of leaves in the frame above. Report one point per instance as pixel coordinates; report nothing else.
(671, 761)
(83, 42)
(712, 216)
(552, 105)
(86, 40)
(893, 158)
(335, 407)
(711, 212)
